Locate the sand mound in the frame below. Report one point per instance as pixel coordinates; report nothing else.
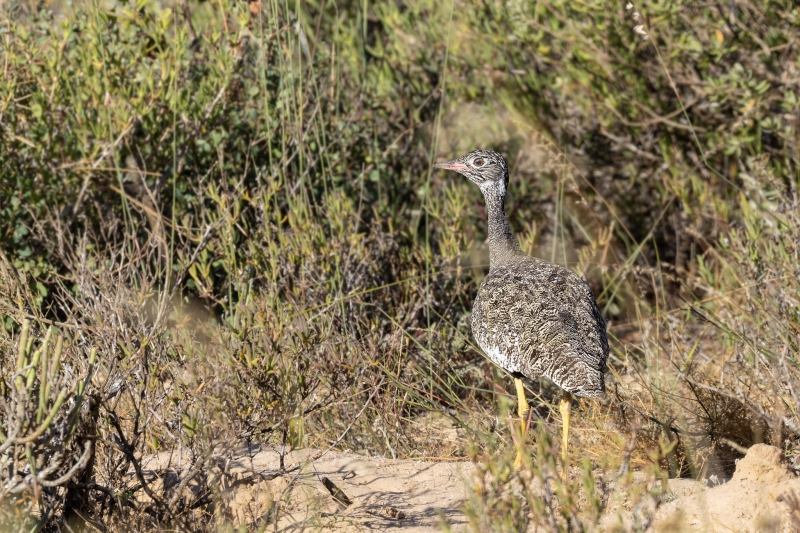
(762, 496)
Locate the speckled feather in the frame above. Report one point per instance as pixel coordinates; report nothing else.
(532, 317)
(539, 319)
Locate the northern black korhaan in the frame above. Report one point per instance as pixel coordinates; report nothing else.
(532, 317)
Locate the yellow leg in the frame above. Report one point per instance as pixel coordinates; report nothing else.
(522, 411)
(565, 406)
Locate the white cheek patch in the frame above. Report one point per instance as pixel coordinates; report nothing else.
(495, 186)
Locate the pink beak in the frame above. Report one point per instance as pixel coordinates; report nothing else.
(458, 166)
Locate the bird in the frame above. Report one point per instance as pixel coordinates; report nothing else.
(532, 317)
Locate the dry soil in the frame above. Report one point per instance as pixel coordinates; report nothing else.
(347, 493)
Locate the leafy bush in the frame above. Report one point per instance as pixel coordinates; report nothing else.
(49, 415)
(233, 204)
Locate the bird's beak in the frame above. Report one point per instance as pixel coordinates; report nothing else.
(456, 165)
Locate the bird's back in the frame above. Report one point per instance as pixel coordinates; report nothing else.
(535, 318)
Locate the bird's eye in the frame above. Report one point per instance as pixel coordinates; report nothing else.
(478, 162)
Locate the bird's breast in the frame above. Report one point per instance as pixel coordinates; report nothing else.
(498, 339)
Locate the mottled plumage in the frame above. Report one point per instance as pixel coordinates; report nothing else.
(532, 317)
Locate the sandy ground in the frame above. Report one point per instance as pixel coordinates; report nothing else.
(348, 493)
(336, 491)
(383, 494)
(762, 496)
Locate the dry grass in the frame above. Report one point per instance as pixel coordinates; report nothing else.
(239, 217)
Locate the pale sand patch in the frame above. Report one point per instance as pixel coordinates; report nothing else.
(390, 495)
(761, 496)
(417, 496)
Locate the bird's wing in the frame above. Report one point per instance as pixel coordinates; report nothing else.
(542, 319)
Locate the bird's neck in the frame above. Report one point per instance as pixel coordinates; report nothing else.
(503, 246)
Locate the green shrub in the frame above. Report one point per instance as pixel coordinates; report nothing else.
(236, 208)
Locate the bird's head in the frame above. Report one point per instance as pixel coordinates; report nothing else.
(485, 168)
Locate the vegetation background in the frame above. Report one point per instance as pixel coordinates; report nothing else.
(219, 224)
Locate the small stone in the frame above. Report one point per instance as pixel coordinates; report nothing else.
(391, 512)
